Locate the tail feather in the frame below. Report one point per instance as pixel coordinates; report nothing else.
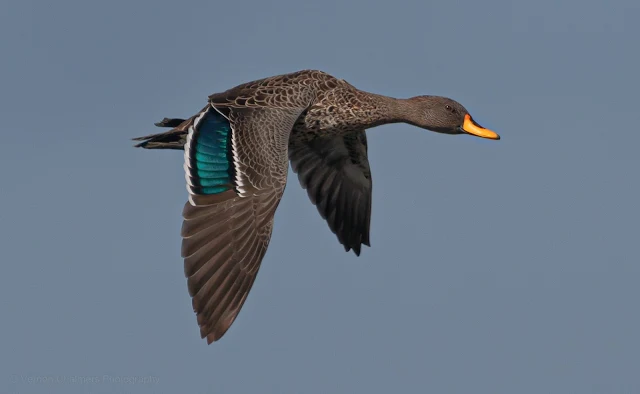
(170, 122)
(172, 139)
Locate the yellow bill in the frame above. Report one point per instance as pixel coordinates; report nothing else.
(471, 127)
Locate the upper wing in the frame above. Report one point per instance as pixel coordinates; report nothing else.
(335, 171)
(223, 245)
(236, 168)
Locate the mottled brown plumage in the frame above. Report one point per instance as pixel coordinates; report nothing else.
(309, 118)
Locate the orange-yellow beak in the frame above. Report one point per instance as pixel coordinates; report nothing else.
(471, 127)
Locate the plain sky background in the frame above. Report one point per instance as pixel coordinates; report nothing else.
(496, 267)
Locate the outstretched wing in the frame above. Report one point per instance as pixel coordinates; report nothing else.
(236, 168)
(335, 172)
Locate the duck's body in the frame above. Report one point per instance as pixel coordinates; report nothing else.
(237, 152)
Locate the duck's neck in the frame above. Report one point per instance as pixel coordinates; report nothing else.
(391, 110)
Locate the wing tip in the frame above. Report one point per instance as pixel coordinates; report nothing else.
(356, 248)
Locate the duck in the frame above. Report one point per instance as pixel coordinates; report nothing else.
(237, 151)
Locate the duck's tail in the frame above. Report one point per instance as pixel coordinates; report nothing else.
(172, 139)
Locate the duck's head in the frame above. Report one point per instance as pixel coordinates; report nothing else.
(444, 115)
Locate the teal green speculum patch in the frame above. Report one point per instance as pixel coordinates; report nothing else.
(210, 155)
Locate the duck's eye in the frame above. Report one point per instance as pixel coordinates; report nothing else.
(449, 108)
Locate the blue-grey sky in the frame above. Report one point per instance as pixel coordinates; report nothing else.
(495, 267)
